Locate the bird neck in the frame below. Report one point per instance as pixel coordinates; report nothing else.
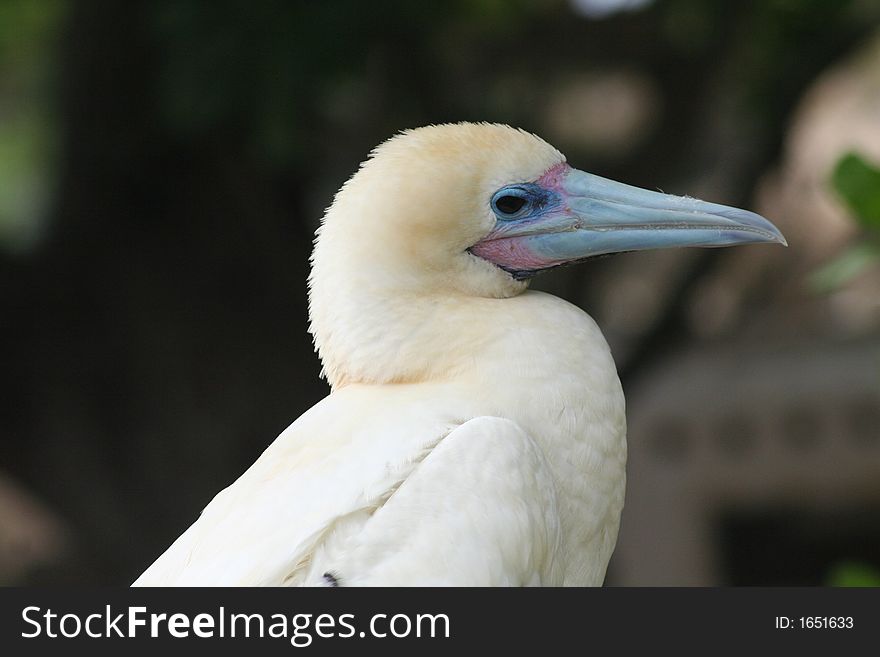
(375, 336)
(409, 319)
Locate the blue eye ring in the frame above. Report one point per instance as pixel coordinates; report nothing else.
(511, 202)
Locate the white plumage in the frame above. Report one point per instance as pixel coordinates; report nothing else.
(475, 433)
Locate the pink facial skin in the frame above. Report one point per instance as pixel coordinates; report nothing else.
(553, 177)
(512, 253)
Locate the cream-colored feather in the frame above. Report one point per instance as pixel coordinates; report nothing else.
(475, 431)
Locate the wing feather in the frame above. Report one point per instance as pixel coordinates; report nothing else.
(378, 489)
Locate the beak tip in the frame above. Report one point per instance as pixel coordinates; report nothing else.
(778, 237)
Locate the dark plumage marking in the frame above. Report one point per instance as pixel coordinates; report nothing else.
(331, 579)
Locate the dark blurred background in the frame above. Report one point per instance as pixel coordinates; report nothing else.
(164, 164)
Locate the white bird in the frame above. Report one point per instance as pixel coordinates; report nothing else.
(475, 432)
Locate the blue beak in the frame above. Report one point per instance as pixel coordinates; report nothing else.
(579, 216)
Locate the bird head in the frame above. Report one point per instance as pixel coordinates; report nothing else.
(475, 210)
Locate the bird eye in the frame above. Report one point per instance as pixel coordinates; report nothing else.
(518, 201)
(507, 203)
(510, 204)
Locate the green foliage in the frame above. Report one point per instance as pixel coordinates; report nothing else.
(27, 33)
(853, 573)
(845, 267)
(857, 183)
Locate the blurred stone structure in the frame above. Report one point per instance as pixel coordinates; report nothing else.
(765, 436)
